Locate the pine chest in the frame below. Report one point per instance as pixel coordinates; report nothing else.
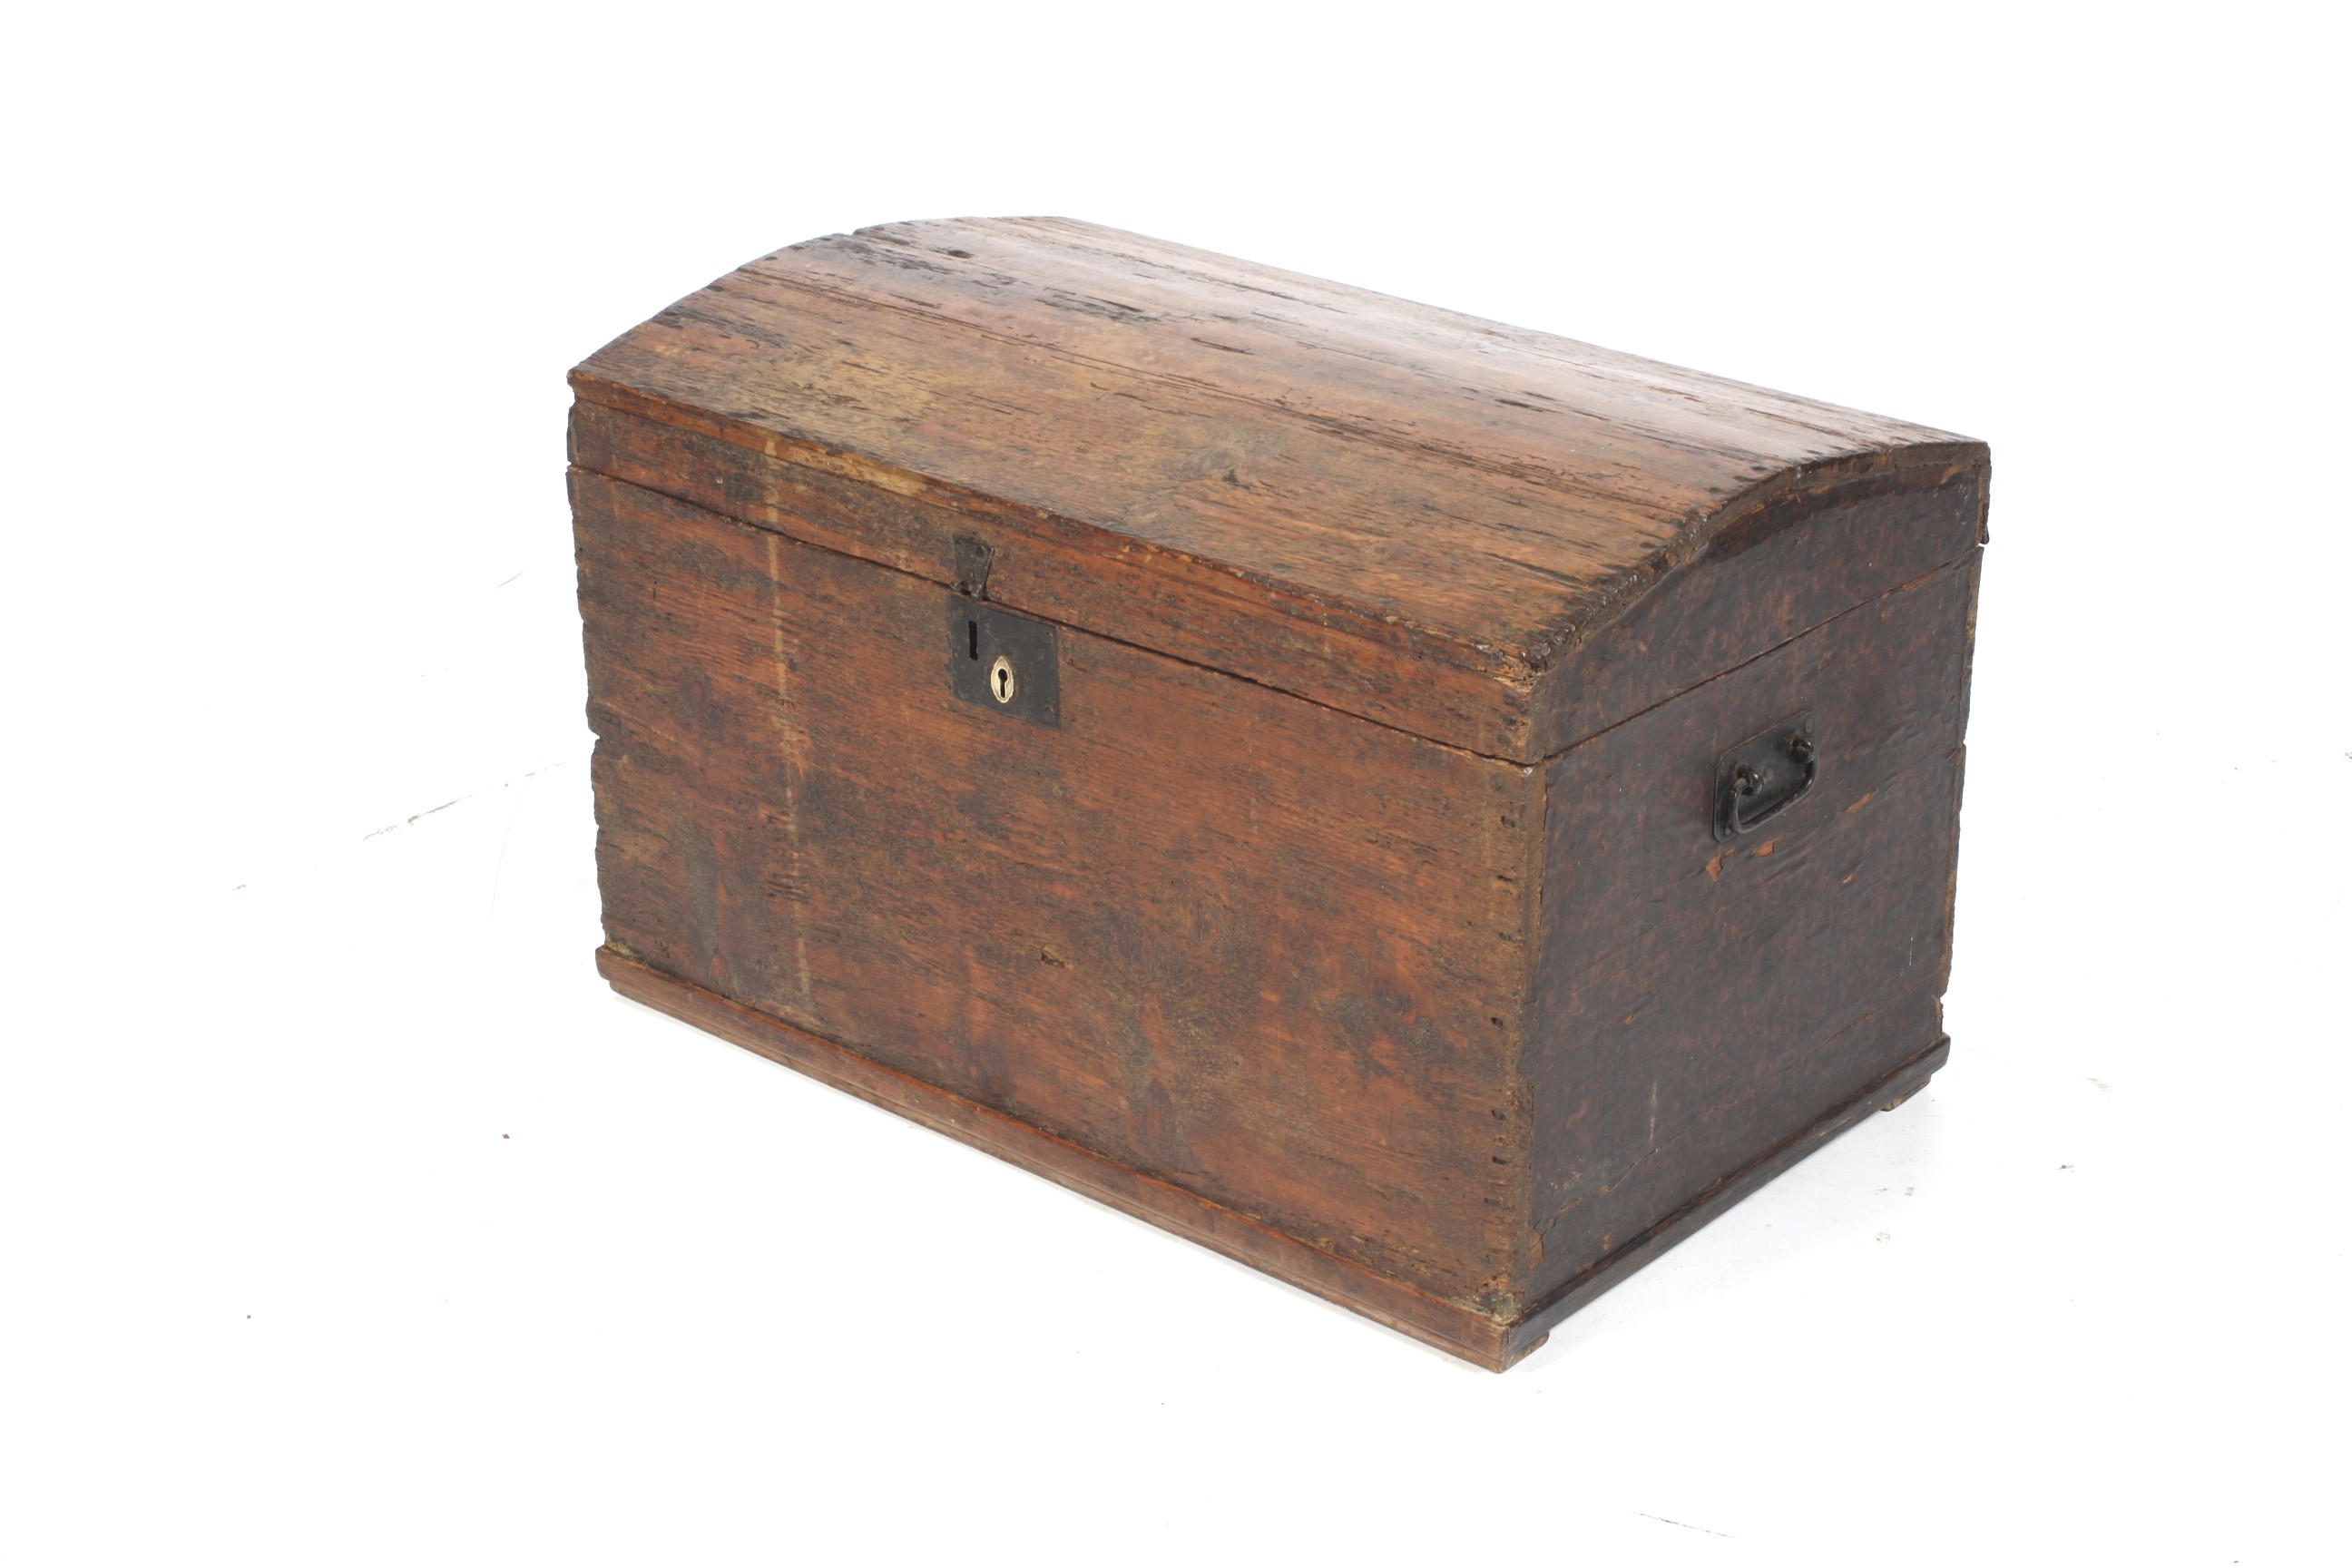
(1433, 810)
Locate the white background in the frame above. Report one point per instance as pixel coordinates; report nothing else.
(346, 1217)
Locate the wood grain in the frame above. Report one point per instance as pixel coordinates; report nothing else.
(1072, 575)
(1474, 1336)
(1790, 566)
(1385, 491)
(1233, 941)
(1698, 1003)
(1611, 1269)
(1360, 914)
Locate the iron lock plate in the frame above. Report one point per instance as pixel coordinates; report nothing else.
(1005, 663)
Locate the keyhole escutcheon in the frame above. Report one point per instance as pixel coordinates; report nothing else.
(1004, 662)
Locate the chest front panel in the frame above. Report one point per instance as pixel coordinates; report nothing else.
(1229, 938)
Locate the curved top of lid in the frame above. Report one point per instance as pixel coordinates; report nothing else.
(1492, 493)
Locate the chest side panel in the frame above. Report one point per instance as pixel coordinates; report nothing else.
(1238, 942)
(1701, 1003)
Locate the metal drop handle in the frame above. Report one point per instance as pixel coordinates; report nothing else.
(1764, 776)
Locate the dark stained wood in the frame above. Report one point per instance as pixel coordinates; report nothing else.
(1698, 1003)
(1787, 568)
(1360, 915)
(1541, 1314)
(1336, 493)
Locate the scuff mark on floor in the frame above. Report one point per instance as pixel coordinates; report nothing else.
(411, 822)
(1678, 1524)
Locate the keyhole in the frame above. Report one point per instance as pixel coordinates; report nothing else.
(1000, 681)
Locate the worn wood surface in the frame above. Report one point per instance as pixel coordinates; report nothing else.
(1458, 1330)
(1538, 1315)
(1064, 572)
(1229, 939)
(1698, 1003)
(1408, 514)
(1358, 913)
(1788, 567)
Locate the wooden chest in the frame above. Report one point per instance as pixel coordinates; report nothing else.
(1433, 810)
